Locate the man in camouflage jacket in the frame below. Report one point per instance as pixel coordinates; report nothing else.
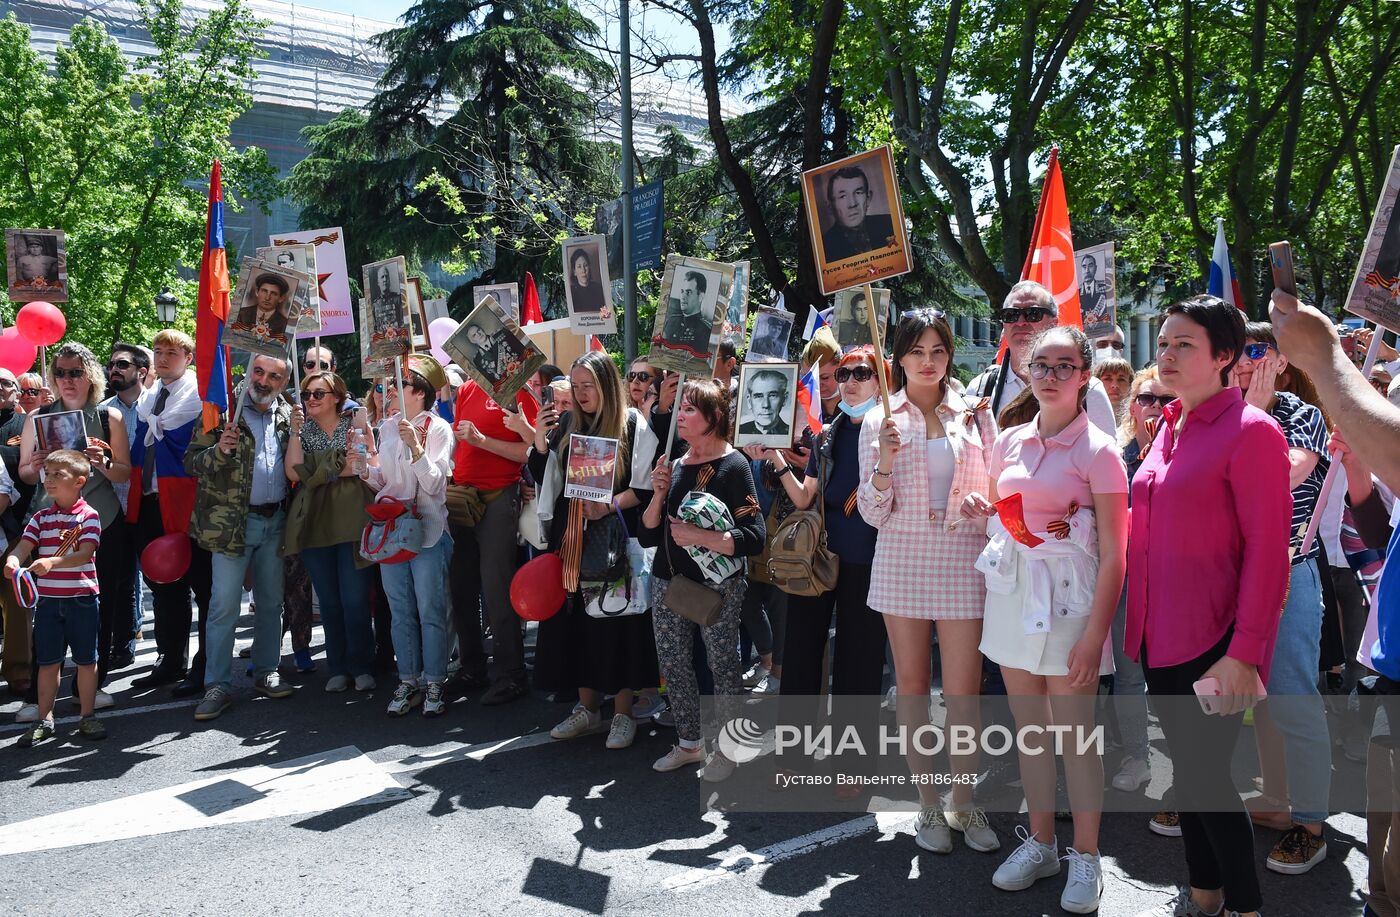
(239, 513)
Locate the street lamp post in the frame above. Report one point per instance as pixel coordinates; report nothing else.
(166, 305)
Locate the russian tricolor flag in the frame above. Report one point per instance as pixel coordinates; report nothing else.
(211, 358)
(809, 397)
(1223, 283)
(816, 320)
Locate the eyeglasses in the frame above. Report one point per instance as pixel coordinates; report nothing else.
(639, 377)
(1146, 400)
(31, 392)
(858, 373)
(1104, 343)
(323, 365)
(76, 373)
(317, 395)
(1031, 316)
(120, 364)
(1257, 351)
(1062, 371)
(922, 312)
(6, 384)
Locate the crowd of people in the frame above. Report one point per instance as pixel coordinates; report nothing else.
(1168, 504)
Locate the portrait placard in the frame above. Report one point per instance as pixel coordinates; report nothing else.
(493, 351)
(37, 264)
(587, 286)
(736, 321)
(772, 328)
(1377, 282)
(299, 257)
(371, 368)
(386, 287)
(417, 314)
(264, 308)
(507, 296)
(332, 280)
(592, 465)
(688, 317)
(856, 220)
(61, 430)
(1098, 289)
(850, 319)
(767, 404)
(607, 222)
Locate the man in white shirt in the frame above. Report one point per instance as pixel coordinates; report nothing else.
(1029, 309)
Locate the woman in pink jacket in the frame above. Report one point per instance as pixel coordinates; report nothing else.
(916, 465)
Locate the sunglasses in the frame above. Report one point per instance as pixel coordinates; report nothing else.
(922, 312)
(317, 395)
(76, 373)
(1031, 316)
(31, 392)
(1063, 372)
(858, 373)
(120, 364)
(1105, 343)
(1257, 351)
(1145, 400)
(639, 377)
(322, 365)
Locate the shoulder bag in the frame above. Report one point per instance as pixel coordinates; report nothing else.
(693, 601)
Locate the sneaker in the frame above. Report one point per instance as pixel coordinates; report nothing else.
(1028, 863)
(90, 728)
(103, 701)
(931, 831)
(581, 721)
(272, 685)
(1296, 852)
(337, 683)
(646, 706)
(623, 731)
(1180, 906)
(365, 683)
(1085, 885)
(41, 731)
(771, 684)
(718, 768)
(29, 713)
(216, 701)
(302, 658)
(1132, 774)
(406, 696)
(1165, 823)
(756, 673)
(678, 757)
(433, 702)
(666, 718)
(976, 833)
(504, 690)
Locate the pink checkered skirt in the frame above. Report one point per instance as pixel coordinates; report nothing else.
(928, 573)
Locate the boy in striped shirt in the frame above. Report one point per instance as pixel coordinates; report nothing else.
(63, 540)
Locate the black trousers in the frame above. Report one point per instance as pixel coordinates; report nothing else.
(483, 563)
(1219, 844)
(173, 611)
(116, 568)
(858, 660)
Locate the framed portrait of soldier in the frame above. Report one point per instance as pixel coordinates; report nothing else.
(507, 296)
(36, 262)
(856, 221)
(417, 314)
(264, 308)
(737, 319)
(607, 222)
(1094, 269)
(494, 352)
(61, 430)
(298, 257)
(370, 368)
(690, 314)
(588, 286)
(767, 404)
(850, 318)
(772, 328)
(386, 288)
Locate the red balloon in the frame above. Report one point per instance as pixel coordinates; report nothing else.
(537, 592)
(16, 354)
(41, 323)
(167, 558)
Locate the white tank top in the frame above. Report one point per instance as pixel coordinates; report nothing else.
(940, 472)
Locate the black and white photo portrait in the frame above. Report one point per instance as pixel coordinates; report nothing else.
(769, 342)
(37, 262)
(507, 296)
(386, 288)
(855, 220)
(738, 313)
(690, 314)
(1097, 289)
(299, 259)
(494, 352)
(851, 317)
(767, 404)
(608, 223)
(588, 286)
(265, 304)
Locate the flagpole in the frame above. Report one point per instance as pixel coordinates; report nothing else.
(398, 377)
(675, 413)
(873, 318)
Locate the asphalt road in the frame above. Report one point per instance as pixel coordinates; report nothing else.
(321, 803)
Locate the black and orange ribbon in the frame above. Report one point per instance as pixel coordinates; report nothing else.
(1060, 527)
(571, 549)
(970, 417)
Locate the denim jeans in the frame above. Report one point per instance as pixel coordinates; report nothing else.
(344, 594)
(263, 540)
(1296, 705)
(1129, 688)
(418, 601)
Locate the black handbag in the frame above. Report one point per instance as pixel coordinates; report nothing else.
(604, 555)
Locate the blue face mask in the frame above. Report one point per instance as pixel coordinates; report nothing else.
(858, 411)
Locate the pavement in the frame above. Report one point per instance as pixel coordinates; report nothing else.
(321, 803)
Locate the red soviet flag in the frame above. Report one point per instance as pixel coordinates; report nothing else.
(1050, 261)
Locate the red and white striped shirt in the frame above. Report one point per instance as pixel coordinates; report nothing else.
(52, 530)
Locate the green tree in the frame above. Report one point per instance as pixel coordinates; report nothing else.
(118, 156)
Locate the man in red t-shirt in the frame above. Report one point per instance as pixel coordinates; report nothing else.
(489, 457)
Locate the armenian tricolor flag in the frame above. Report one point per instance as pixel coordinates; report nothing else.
(211, 357)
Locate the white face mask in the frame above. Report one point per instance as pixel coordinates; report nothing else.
(1105, 353)
(858, 411)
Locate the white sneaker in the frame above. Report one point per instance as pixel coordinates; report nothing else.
(931, 831)
(1027, 864)
(434, 704)
(365, 683)
(770, 684)
(756, 673)
(976, 833)
(1133, 773)
(646, 706)
(581, 722)
(678, 757)
(718, 768)
(103, 701)
(623, 731)
(406, 696)
(1085, 885)
(337, 683)
(29, 713)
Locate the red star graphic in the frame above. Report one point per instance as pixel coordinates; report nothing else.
(321, 285)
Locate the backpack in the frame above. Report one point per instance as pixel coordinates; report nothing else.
(799, 562)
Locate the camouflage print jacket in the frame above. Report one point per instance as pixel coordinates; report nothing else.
(220, 518)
